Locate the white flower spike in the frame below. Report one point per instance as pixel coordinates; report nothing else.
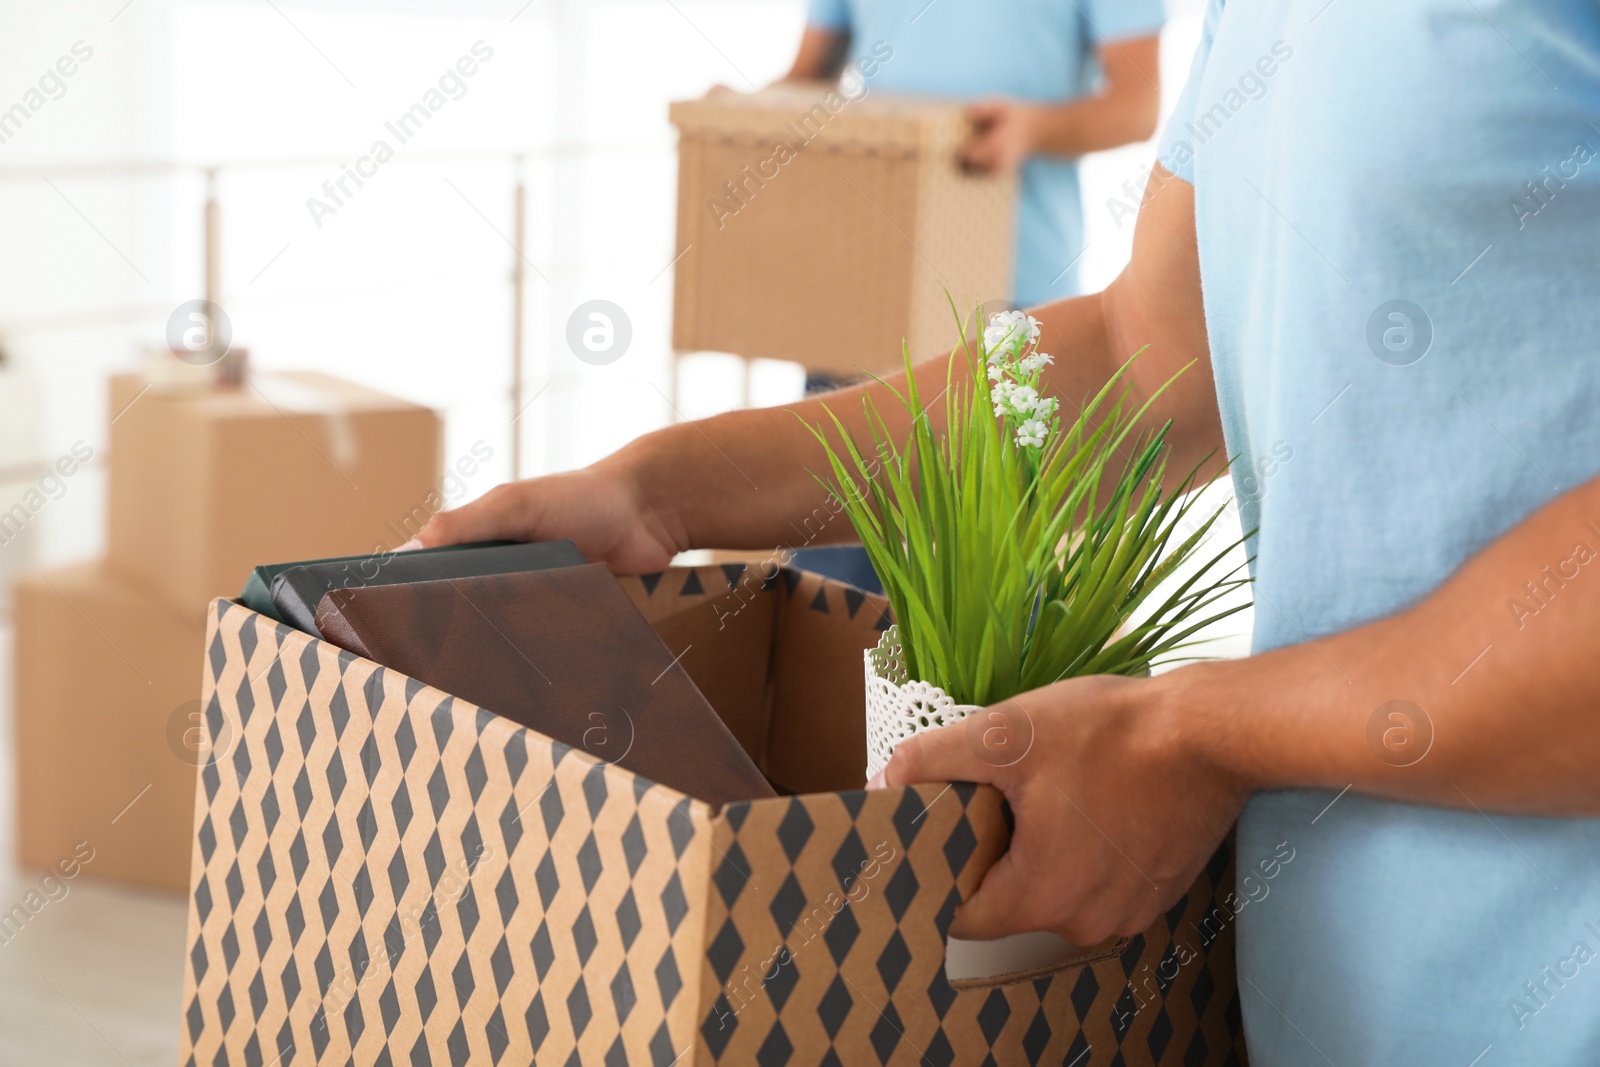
(1032, 433)
(1015, 367)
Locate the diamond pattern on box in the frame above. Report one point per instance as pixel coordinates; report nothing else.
(384, 874)
(826, 896)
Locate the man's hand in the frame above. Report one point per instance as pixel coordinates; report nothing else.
(1122, 788)
(1004, 135)
(597, 509)
(1122, 112)
(1115, 813)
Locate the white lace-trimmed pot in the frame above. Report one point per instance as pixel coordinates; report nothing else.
(897, 708)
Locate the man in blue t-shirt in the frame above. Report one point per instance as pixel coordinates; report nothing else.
(1051, 80)
(1375, 232)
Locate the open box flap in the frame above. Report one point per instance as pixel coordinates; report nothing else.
(778, 654)
(718, 621)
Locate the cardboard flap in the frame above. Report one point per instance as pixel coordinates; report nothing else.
(817, 728)
(780, 660)
(719, 622)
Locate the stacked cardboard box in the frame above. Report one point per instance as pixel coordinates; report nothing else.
(20, 472)
(104, 697)
(825, 227)
(204, 485)
(384, 873)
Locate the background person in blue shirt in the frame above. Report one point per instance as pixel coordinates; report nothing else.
(1375, 228)
(1050, 80)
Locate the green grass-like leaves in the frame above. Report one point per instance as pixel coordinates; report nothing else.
(1008, 567)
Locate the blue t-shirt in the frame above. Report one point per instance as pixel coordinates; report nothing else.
(1398, 211)
(1042, 50)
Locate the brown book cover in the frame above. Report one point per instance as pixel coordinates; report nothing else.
(563, 652)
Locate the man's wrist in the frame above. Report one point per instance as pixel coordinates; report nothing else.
(1286, 719)
(1212, 712)
(642, 469)
(1037, 120)
(1054, 129)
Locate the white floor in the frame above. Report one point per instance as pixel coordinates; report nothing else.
(96, 977)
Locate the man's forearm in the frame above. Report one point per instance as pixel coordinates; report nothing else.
(1095, 124)
(744, 479)
(821, 54)
(1124, 111)
(1496, 670)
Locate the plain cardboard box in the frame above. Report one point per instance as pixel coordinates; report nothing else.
(826, 230)
(207, 484)
(107, 727)
(18, 541)
(385, 874)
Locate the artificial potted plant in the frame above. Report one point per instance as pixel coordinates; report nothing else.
(1018, 548)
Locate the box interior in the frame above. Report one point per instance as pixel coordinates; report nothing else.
(781, 662)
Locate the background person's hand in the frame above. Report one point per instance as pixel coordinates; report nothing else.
(1004, 135)
(603, 514)
(1115, 814)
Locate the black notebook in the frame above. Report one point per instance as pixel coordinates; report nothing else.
(298, 591)
(257, 594)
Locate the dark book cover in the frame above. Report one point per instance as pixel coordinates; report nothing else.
(297, 591)
(563, 652)
(257, 592)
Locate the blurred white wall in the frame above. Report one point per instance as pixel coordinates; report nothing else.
(406, 286)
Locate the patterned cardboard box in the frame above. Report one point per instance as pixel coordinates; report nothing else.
(384, 874)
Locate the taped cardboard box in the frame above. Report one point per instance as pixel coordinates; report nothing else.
(107, 727)
(205, 484)
(385, 874)
(824, 228)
